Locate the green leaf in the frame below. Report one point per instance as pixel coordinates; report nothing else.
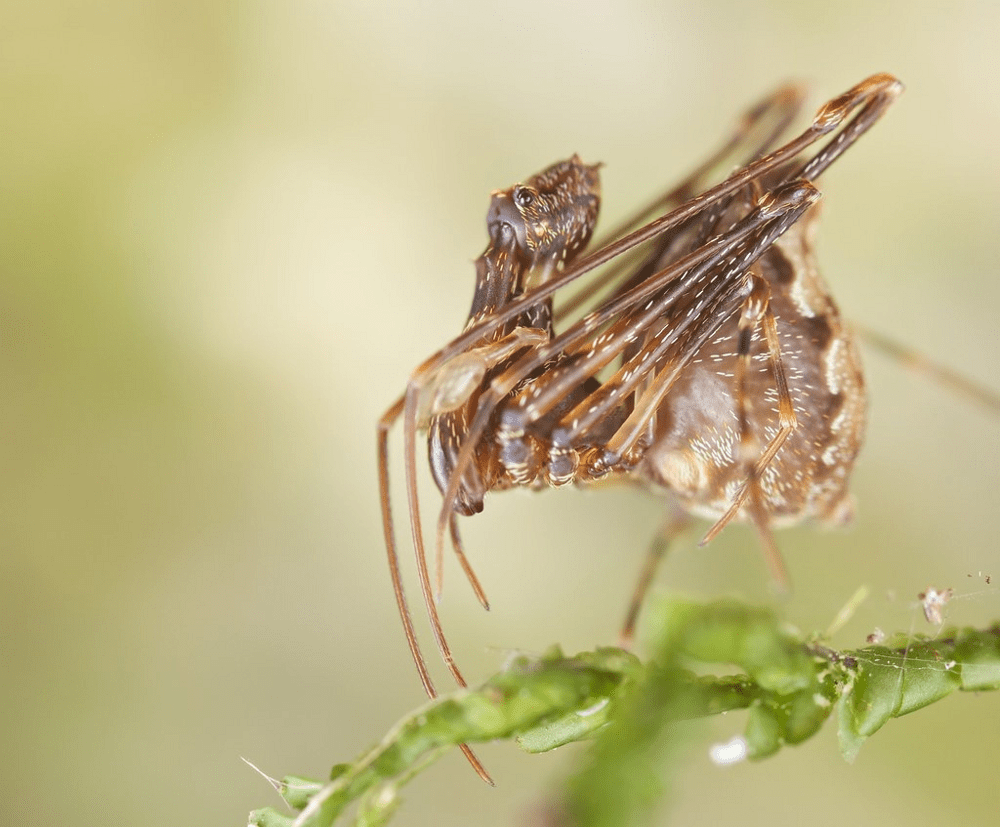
(633, 712)
(730, 632)
(978, 657)
(297, 791)
(268, 817)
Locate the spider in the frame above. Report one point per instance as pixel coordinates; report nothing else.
(706, 359)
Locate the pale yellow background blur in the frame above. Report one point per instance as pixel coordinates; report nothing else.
(228, 231)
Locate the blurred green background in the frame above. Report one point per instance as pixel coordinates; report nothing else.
(228, 231)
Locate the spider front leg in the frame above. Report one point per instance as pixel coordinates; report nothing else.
(384, 425)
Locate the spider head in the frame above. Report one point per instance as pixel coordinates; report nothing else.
(552, 214)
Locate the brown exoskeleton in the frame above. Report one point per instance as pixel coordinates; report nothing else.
(716, 366)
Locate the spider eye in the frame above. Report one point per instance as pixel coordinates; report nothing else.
(523, 197)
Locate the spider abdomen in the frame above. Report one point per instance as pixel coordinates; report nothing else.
(696, 449)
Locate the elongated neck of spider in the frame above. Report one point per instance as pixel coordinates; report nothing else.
(501, 273)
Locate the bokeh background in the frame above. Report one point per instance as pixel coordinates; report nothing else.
(229, 230)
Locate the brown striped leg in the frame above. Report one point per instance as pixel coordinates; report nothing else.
(757, 311)
(675, 525)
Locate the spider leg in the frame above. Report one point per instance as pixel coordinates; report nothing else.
(409, 443)
(456, 543)
(675, 525)
(711, 281)
(433, 388)
(771, 116)
(930, 369)
(874, 95)
(385, 423)
(488, 355)
(756, 131)
(757, 312)
(632, 430)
